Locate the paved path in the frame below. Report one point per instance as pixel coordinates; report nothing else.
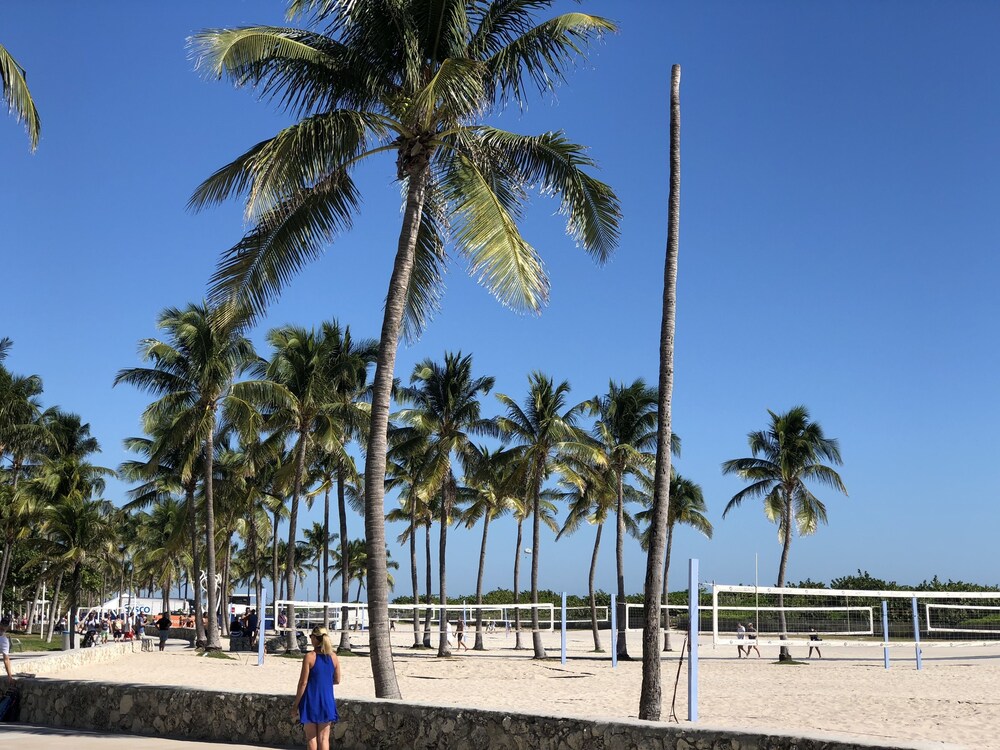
(30, 737)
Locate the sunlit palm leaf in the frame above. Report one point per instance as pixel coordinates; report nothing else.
(14, 88)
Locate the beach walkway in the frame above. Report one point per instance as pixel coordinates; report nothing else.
(29, 737)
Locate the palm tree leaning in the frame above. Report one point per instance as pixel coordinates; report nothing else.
(193, 372)
(625, 431)
(411, 78)
(446, 411)
(783, 458)
(14, 91)
(542, 429)
(687, 506)
(651, 690)
(490, 478)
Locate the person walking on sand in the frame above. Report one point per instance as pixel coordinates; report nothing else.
(5, 650)
(814, 638)
(752, 638)
(315, 706)
(740, 633)
(460, 634)
(163, 624)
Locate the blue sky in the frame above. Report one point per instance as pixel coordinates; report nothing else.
(838, 249)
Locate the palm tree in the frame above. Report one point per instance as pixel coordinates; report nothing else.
(625, 430)
(446, 410)
(317, 546)
(544, 427)
(687, 506)
(409, 77)
(784, 457)
(357, 565)
(651, 690)
(349, 360)
(14, 88)
(193, 373)
(490, 478)
(592, 495)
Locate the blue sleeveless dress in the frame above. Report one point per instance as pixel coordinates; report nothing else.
(317, 705)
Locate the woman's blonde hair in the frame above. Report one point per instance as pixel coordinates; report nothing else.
(323, 636)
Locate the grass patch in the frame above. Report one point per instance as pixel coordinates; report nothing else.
(38, 643)
(217, 655)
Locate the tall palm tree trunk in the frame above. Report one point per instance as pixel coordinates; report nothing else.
(200, 640)
(414, 577)
(275, 568)
(651, 691)
(227, 584)
(427, 577)
(784, 654)
(517, 578)
(666, 590)
(54, 609)
(345, 573)
(590, 590)
(536, 532)
(417, 169)
(293, 517)
(325, 558)
(74, 596)
(479, 585)
(212, 631)
(447, 499)
(622, 645)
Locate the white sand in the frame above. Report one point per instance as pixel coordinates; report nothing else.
(955, 698)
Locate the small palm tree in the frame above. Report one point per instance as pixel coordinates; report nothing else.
(446, 411)
(784, 457)
(14, 90)
(542, 429)
(687, 506)
(411, 78)
(193, 373)
(492, 487)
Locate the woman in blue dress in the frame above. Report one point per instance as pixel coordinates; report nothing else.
(314, 703)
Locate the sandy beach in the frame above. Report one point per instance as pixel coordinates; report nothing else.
(955, 698)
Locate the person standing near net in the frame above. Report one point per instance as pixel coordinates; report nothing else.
(752, 639)
(814, 638)
(315, 706)
(460, 634)
(740, 633)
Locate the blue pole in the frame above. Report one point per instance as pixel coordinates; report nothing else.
(885, 632)
(916, 633)
(693, 639)
(563, 639)
(614, 632)
(262, 628)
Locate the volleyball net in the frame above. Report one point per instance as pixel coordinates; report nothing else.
(850, 617)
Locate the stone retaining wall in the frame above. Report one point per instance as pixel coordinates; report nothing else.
(375, 724)
(55, 661)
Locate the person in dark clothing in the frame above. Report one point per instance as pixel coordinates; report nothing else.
(814, 638)
(163, 624)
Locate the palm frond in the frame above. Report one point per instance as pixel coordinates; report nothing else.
(14, 90)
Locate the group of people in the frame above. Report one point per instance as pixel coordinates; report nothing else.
(750, 634)
(245, 625)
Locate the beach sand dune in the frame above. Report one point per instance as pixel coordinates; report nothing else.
(955, 698)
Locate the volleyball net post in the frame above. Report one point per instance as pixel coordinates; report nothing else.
(916, 633)
(693, 639)
(885, 632)
(562, 639)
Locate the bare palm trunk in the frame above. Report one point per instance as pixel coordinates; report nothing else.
(200, 641)
(517, 578)
(275, 571)
(32, 607)
(212, 631)
(414, 577)
(590, 590)
(622, 645)
(536, 531)
(651, 692)
(784, 654)
(427, 577)
(413, 163)
(74, 596)
(325, 558)
(666, 591)
(54, 609)
(227, 585)
(293, 516)
(479, 584)
(345, 573)
(446, 501)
